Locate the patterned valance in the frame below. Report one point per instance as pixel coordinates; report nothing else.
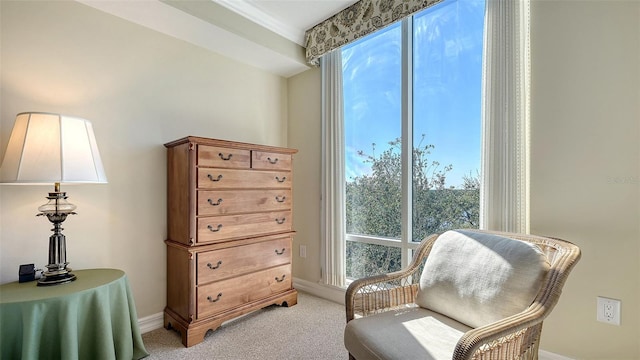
(356, 21)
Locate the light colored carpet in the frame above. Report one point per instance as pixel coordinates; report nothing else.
(312, 329)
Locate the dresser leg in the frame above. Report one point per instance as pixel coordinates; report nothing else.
(171, 323)
(290, 299)
(195, 334)
(191, 334)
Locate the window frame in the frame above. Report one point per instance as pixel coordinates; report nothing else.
(504, 205)
(405, 243)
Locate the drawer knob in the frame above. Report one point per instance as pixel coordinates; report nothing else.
(210, 266)
(272, 161)
(278, 179)
(280, 198)
(216, 229)
(211, 177)
(280, 221)
(280, 252)
(216, 299)
(225, 158)
(279, 280)
(214, 203)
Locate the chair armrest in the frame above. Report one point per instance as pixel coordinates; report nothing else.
(379, 293)
(385, 292)
(517, 336)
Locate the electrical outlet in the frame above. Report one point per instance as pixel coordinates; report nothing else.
(608, 310)
(303, 251)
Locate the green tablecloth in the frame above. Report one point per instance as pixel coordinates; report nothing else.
(93, 317)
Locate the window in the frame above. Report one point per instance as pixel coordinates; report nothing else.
(427, 82)
(412, 134)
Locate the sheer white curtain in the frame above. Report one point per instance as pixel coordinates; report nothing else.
(504, 198)
(333, 179)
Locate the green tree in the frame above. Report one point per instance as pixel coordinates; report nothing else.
(374, 205)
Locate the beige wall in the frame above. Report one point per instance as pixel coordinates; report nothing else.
(140, 89)
(585, 171)
(305, 135)
(585, 166)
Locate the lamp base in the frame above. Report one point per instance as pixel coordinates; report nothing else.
(56, 210)
(57, 279)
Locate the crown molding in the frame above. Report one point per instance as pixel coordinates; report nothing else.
(253, 13)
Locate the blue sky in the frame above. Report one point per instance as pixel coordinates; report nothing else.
(447, 87)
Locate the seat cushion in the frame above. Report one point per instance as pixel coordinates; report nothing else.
(478, 278)
(412, 333)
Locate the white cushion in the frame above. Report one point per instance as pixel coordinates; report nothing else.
(478, 278)
(413, 333)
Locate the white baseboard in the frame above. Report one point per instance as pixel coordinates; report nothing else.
(545, 355)
(151, 322)
(328, 292)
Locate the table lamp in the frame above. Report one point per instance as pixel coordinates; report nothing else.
(49, 148)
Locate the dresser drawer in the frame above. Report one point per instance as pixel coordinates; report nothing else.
(242, 201)
(214, 178)
(223, 157)
(217, 265)
(270, 161)
(230, 293)
(226, 227)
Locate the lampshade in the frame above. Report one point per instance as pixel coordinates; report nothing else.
(50, 148)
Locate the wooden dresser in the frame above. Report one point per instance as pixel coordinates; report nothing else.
(229, 232)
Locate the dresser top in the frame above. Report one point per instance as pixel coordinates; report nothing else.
(229, 144)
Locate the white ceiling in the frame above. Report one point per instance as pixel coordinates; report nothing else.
(286, 18)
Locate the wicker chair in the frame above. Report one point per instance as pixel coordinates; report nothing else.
(515, 336)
